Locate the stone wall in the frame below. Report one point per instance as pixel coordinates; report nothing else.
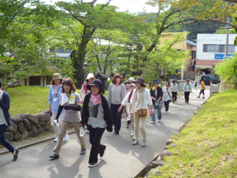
(224, 86)
(27, 125)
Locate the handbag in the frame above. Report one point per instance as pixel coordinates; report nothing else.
(142, 112)
(158, 104)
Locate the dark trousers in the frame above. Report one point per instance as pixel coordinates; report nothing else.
(174, 96)
(116, 116)
(167, 103)
(3, 140)
(96, 147)
(186, 94)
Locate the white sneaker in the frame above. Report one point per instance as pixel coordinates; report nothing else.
(166, 112)
(56, 139)
(135, 142)
(152, 122)
(132, 133)
(144, 143)
(159, 121)
(91, 165)
(66, 137)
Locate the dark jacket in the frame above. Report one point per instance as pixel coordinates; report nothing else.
(5, 106)
(159, 94)
(107, 114)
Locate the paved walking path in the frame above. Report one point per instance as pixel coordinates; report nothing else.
(121, 160)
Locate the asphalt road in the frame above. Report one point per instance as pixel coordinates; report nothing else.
(121, 160)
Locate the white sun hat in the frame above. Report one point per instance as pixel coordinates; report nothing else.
(90, 75)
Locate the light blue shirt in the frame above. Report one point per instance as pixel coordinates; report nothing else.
(55, 99)
(175, 87)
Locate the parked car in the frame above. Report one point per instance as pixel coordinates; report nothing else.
(208, 78)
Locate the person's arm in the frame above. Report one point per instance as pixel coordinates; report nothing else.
(149, 99)
(152, 95)
(82, 92)
(124, 102)
(160, 94)
(109, 94)
(108, 116)
(50, 98)
(5, 103)
(73, 107)
(123, 91)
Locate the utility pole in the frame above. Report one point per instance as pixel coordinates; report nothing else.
(227, 39)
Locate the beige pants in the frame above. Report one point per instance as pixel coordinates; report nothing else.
(132, 120)
(63, 128)
(139, 123)
(55, 127)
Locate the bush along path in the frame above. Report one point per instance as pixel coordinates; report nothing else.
(207, 144)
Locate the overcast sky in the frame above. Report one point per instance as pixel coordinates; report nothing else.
(132, 6)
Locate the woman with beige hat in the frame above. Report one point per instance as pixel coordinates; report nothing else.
(89, 79)
(55, 91)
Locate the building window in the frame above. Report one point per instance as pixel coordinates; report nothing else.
(210, 48)
(193, 54)
(60, 50)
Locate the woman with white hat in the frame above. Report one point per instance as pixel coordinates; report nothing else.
(89, 79)
(55, 91)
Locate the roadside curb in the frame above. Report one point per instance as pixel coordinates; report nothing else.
(34, 143)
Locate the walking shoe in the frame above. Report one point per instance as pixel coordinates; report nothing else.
(203, 97)
(136, 142)
(102, 154)
(159, 121)
(87, 132)
(198, 97)
(166, 112)
(144, 143)
(83, 151)
(56, 139)
(66, 137)
(54, 156)
(152, 122)
(91, 165)
(132, 133)
(133, 138)
(16, 155)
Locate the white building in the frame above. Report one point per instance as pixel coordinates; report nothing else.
(211, 49)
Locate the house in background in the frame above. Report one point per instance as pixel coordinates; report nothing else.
(211, 50)
(40, 80)
(188, 69)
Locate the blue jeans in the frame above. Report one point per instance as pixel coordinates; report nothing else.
(3, 140)
(153, 118)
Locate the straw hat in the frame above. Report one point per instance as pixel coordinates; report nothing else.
(56, 76)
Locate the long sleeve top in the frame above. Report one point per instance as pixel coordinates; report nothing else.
(5, 106)
(107, 114)
(175, 87)
(187, 87)
(55, 99)
(146, 100)
(116, 94)
(158, 95)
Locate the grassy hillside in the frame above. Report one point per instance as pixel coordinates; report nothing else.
(207, 147)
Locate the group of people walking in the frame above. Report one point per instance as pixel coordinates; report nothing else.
(91, 109)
